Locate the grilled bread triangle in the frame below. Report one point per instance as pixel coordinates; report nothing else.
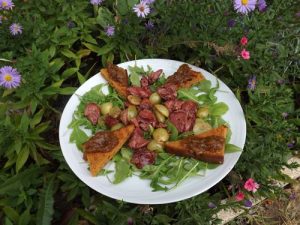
(97, 160)
(117, 77)
(208, 146)
(185, 77)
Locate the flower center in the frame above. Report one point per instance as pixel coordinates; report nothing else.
(4, 4)
(142, 9)
(245, 2)
(7, 77)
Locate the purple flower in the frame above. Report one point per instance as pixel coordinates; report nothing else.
(244, 6)
(9, 77)
(96, 2)
(149, 25)
(211, 205)
(262, 5)
(284, 115)
(6, 4)
(231, 23)
(142, 9)
(280, 81)
(252, 83)
(293, 196)
(71, 24)
(110, 30)
(291, 144)
(248, 203)
(129, 221)
(297, 14)
(15, 29)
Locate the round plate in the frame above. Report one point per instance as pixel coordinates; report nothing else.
(134, 189)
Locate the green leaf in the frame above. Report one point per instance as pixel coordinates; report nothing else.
(24, 123)
(22, 158)
(25, 217)
(93, 48)
(229, 148)
(174, 132)
(13, 183)
(78, 137)
(106, 49)
(190, 94)
(122, 171)
(11, 213)
(135, 79)
(37, 118)
(218, 109)
(69, 72)
(105, 17)
(69, 54)
(46, 203)
(81, 78)
(88, 216)
(67, 90)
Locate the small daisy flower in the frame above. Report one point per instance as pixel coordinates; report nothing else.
(251, 185)
(245, 54)
(244, 41)
(9, 77)
(96, 2)
(149, 25)
(252, 83)
(239, 196)
(6, 4)
(244, 6)
(142, 9)
(284, 115)
(15, 29)
(110, 31)
(262, 5)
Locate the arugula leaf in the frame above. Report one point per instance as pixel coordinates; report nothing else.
(190, 94)
(218, 109)
(229, 148)
(78, 137)
(135, 79)
(174, 132)
(123, 171)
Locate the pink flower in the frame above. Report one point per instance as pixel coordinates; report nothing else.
(239, 196)
(251, 185)
(244, 41)
(245, 54)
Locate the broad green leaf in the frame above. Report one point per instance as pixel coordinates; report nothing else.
(24, 123)
(67, 90)
(78, 136)
(105, 17)
(84, 52)
(93, 48)
(232, 148)
(25, 217)
(56, 64)
(106, 49)
(37, 118)
(46, 202)
(11, 213)
(22, 158)
(69, 72)
(88, 216)
(218, 109)
(81, 78)
(13, 183)
(69, 54)
(122, 171)
(135, 79)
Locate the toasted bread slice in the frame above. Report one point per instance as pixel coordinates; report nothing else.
(117, 77)
(185, 77)
(208, 146)
(97, 160)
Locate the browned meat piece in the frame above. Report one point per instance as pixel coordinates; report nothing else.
(146, 118)
(110, 121)
(92, 112)
(137, 140)
(154, 76)
(182, 120)
(145, 104)
(173, 105)
(167, 91)
(142, 157)
(143, 92)
(144, 82)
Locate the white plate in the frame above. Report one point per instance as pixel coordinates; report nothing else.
(134, 189)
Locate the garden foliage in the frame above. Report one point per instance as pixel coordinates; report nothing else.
(63, 43)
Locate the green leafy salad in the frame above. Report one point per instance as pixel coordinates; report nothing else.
(168, 170)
